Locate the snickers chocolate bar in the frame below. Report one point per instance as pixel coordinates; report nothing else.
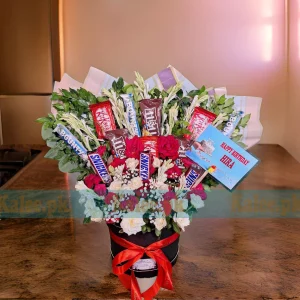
(144, 166)
(100, 167)
(193, 174)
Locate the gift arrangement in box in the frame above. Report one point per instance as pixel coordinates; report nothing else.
(146, 153)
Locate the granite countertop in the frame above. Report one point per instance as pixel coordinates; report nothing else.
(220, 258)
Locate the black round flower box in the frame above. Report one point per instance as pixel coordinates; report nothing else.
(144, 240)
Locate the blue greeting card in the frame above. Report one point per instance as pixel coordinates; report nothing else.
(212, 148)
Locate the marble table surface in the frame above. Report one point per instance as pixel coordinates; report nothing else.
(220, 258)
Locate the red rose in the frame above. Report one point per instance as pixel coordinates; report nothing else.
(170, 195)
(101, 150)
(92, 180)
(132, 147)
(187, 162)
(174, 172)
(118, 162)
(131, 202)
(168, 147)
(198, 190)
(100, 189)
(152, 170)
(167, 207)
(109, 197)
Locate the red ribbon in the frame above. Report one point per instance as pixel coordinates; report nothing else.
(132, 254)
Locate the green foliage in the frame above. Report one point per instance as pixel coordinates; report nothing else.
(77, 102)
(87, 220)
(176, 228)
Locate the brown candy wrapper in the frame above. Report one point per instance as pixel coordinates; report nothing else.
(151, 113)
(184, 145)
(117, 141)
(193, 174)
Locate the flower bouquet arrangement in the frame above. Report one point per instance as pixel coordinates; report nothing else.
(128, 146)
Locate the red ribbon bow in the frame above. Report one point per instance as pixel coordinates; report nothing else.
(132, 254)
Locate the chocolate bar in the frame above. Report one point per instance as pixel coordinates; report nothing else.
(233, 121)
(201, 118)
(151, 113)
(100, 167)
(149, 144)
(193, 174)
(71, 140)
(184, 145)
(144, 166)
(129, 104)
(103, 118)
(117, 141)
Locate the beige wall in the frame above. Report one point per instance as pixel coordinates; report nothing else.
(18, 114)
(237, 43)
(292, 136)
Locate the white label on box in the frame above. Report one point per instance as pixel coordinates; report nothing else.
(144, 264)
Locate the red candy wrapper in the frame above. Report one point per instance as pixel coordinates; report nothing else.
(103, 118)
(117, 141)
(151, 112)
(149, 144)
(200, 120)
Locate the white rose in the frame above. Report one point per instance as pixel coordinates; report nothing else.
(79, 186)
(179, 205)
(196, 201)
(160, 222)
(132, 163)
(115, 185)
(97, 220)
(143, 206)
(182, 219)
(132, 223)
(156, 162)
(135, 183)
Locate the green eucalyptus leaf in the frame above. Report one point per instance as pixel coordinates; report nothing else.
(228, 110)
(55, 96)
(114, 86)
(59, 107)
(51, 143)
(229, 102)
(221, 100)
(120, 83)
(52, 153)
(82, 103)
(244, 121)
(176, 227)
(157, 232)
(66, 166)
(43, 120)
(87, 220)
(47, 132)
